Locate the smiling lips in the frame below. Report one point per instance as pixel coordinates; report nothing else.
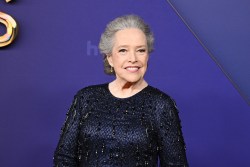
(132, 68)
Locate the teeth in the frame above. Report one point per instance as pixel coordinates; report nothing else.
(132, 68)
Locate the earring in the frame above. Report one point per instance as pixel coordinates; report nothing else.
(111, 69)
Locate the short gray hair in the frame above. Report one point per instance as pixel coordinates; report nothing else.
(120, 23)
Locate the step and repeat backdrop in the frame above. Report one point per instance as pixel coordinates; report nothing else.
(49, 50)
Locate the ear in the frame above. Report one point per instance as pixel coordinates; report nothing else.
(110, 60)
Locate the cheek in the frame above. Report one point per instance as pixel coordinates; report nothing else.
(145, 61)
(118, 62)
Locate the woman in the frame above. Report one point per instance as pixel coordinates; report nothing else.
(126, 122)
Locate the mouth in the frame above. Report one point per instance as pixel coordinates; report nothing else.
(132, 68)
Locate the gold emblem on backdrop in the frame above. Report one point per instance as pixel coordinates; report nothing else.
(11, 28)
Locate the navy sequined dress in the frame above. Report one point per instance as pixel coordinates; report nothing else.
(102, 130)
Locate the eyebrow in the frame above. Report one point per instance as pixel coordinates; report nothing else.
(121, 46)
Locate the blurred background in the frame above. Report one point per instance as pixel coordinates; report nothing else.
(56, 54)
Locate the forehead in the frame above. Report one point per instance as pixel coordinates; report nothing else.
(129, 36)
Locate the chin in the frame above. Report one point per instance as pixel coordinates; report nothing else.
(133, 79)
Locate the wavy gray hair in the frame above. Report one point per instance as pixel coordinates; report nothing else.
(127, 21)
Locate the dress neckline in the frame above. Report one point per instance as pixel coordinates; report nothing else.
(125, 98)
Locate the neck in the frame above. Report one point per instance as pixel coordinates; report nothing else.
(124, 85)
(126, 89)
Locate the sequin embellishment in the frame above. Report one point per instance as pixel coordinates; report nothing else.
(102, 130)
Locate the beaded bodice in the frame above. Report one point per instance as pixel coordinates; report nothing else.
(105, 131)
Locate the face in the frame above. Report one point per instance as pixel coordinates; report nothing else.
(129, 55)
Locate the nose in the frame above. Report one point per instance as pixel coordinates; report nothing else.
(132, 57)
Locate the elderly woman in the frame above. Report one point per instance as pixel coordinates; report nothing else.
(126, 122)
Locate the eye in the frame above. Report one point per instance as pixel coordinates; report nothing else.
(141, 50)
(122, 50)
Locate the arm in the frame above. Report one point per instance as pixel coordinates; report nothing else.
(67, 148)
(171, 144)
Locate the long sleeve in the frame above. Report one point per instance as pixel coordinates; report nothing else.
(103, 130)
(66, 153)
(170, 139)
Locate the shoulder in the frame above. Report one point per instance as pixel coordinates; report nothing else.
(164, 107)
(161, 98)
(91, 90)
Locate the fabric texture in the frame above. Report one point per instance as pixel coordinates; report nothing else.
(102, 130)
